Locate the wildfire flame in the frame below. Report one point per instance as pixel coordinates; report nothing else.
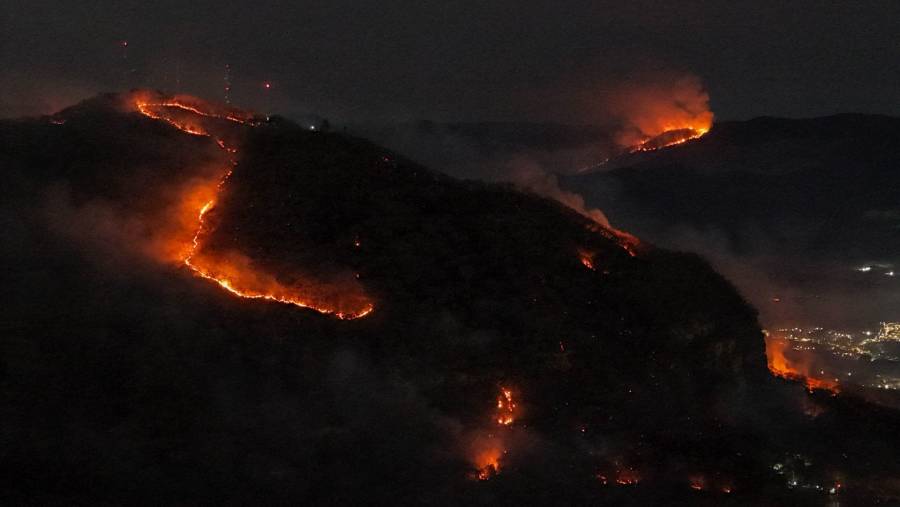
(487, 451)
(488, 463)
(506, 407)
(628, 242)
(671, 138)
(587, 259)
(697, 482)
(796, 368)
(713, 483)
(662, 110)
(235, 272)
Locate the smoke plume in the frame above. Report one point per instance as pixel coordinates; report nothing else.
(529, 175)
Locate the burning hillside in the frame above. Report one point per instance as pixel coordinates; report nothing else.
(670, 138)
(796, 365)
(233, 270)
(516, 341)
(660, 112)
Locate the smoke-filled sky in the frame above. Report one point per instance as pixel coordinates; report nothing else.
(497, 60)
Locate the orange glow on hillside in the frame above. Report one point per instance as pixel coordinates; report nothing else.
(487, 451)
(488, 463)
(155, 106)
(586, 258)
(796, 368)
(233, 271)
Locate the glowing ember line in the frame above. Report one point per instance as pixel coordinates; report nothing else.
(227, 285)
(146, 108)
(626, 241)
(143, 106)
(678, 136)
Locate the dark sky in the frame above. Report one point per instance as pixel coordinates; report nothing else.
(451, 60)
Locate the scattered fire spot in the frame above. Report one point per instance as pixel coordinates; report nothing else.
(488, 471)
(697, 482)
(626, 241)
(587, 259)
(627, 477)
(617, 474)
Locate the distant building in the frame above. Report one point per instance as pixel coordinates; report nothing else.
(890, 331)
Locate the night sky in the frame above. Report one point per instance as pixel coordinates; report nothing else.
(498, 60)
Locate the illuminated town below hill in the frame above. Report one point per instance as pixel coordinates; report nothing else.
(832, 354)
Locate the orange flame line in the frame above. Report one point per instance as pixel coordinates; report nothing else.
(226, 284)
(781, 366)
(697, 133)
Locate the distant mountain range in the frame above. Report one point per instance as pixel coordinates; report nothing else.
(821, 187)
(806, 201)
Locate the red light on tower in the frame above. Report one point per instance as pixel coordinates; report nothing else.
(267, 97)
